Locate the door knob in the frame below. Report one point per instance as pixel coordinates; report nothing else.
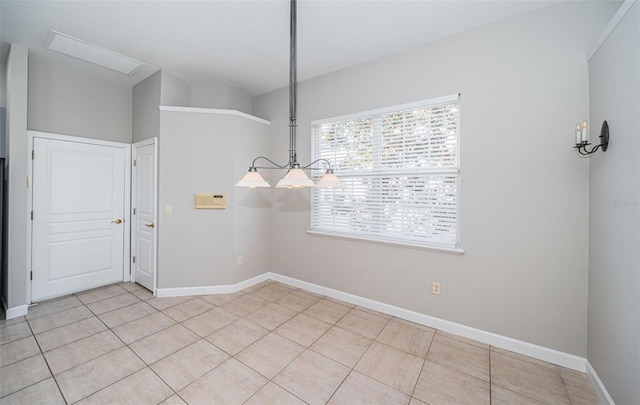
(117, 221)
(149, 225)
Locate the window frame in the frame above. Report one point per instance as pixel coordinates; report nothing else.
(373, 238)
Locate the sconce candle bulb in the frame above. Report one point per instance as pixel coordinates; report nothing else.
(578, 133)
(585, 131)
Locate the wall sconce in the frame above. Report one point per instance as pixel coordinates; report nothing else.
(582, 138)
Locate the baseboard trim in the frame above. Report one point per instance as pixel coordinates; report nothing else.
(597, 383)
(14, 312)
(538, 352)
(214, 289)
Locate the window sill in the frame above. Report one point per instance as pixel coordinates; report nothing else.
(453, 251)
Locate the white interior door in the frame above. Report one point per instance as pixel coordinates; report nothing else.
(78, 216)
(144, 216)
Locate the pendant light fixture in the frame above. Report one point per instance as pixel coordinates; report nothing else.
(295, 176)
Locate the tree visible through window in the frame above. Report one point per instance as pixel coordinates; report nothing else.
(400, 167)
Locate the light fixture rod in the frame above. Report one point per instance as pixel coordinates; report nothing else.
(308, 167)
(295, 177)
(293, 45)
(275, 165)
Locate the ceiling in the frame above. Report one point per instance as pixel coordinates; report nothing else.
(244, 43)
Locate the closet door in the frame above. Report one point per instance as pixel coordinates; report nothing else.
(78, 216)
(144, 231)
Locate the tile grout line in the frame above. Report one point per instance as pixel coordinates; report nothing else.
(127, 346)
(200, 338)
(63, 325)
(374, 340)
(305, 348)
(564, 385)
(47, 363)
(104, 354)
(460, 371)
(424, 361)
(284, 337)
(86, 304)
(526, 395)
(335, 324)
(269, 331)
(490, 378)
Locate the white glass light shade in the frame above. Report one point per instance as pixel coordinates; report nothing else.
(252, 179)
(329, 180)
(295, 178)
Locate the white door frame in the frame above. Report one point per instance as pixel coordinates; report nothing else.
(126, 276)
(146, 142)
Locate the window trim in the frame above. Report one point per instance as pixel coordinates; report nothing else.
(422, 103)
(380, 241)
(457, 250)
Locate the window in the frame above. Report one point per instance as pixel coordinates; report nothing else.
(401, 171)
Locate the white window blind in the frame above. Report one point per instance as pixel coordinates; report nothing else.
(400, 168)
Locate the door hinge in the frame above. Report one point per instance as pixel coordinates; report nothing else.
(135, 162)
(134, 211)
(134, 259)
(27, 182)
(32, 215)
(31, 275)
(33, 154)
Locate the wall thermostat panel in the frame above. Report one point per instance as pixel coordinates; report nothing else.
(211, 201)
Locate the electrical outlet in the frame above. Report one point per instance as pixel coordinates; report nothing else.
(435, 288)
(239, 260)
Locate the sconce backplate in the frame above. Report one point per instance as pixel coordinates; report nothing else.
(604, 136)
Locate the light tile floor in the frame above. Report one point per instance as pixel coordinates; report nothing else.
(269, 344)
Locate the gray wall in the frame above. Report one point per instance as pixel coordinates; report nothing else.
(14, 272)
(146, 115)
(3, 84)
(240, 99)
(58, 100)
(3, 97)
(208, 153)
(523, 191)
(66, 101)
(210, 96)
(222, 96)
(614, 214)
(3, 130)
(174, 91)
(164, 88)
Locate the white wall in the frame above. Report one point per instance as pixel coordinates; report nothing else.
(66, 101)
(524, 193)
(14, 272)
(202, 152)
(614, 215)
